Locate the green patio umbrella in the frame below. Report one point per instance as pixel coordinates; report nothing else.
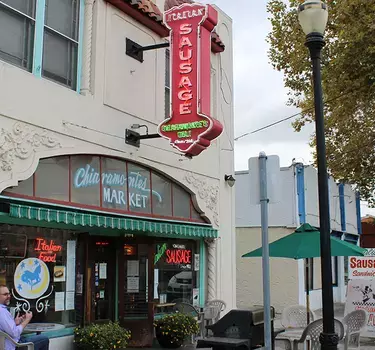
(304, 243)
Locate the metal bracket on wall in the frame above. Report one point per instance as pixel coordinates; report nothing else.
(135, 50)
(133, 138)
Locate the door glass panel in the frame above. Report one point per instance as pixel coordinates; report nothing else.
(136, 282)
(103, 266)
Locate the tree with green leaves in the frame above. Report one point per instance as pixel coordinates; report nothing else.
(348, 76)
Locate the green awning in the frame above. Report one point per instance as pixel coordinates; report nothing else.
(84, 219)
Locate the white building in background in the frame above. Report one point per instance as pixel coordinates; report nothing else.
(103, 219)
(297, 188)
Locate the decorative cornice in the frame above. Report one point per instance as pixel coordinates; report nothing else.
(208, 193)
(21, 142)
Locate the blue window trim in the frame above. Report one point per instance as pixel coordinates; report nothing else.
(202, 273)
(80, 44)
(342, 206)
(301, 193)
(38, 37)
(358, 210)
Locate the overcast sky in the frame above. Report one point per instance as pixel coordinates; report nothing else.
(260, 96)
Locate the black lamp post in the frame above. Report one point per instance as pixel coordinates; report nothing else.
(313, 15)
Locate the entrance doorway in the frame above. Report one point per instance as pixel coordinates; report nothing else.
(100, 280)
(128, 279)
(135, 290)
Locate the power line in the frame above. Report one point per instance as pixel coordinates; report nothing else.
(295, 115)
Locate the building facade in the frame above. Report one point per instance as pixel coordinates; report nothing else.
(297, 203)
(368, 232)
(94, 229)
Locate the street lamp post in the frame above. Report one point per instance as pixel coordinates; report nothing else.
(313, 15)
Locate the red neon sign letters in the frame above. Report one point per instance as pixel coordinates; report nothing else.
(190, 127)
(178, 256)
(47, 249)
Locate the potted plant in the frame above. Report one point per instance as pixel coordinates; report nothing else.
(101, 336)
(172, 329)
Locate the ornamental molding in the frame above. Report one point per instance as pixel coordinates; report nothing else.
(207, 192)
(22, 141)
(211, 269)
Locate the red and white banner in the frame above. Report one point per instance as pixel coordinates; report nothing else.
(361, 267)
(361, 296)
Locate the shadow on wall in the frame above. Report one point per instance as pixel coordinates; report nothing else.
(284, 272)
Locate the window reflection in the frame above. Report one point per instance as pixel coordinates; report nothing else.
(139, 189)
(174, 274)
(85, 180)
(161, 196)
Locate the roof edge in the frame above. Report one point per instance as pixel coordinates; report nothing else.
(148, 14)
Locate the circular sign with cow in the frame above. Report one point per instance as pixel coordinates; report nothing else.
(31, 278)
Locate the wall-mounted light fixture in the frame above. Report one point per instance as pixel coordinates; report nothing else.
(230, 180)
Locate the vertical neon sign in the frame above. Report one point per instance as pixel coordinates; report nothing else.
(190, 127)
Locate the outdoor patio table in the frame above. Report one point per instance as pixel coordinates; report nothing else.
(38, 328)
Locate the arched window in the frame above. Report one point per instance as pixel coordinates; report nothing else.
(108, 184)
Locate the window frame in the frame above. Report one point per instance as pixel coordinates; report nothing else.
(32, 182)
(38, 41)
(27, 42)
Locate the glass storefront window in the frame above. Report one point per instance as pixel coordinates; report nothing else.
(52, 179)
(114, 184)
(25, 187)
(161, 195)
(174, 273)
(97, 182)
(85, 186)
(38, 266)
(139, 189)
(181, 202)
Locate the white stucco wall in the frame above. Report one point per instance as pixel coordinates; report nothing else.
(284, 272)
(283, 219)
(40, 118)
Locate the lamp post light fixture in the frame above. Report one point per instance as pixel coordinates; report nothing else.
(313, 16)
(230, 180)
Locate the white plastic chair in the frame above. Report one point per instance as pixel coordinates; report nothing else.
(219, 306)
(353, 323)
(3, 336)
(312, 333)
(295, 316)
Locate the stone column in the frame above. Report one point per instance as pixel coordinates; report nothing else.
(87, 48)
(211, 270)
